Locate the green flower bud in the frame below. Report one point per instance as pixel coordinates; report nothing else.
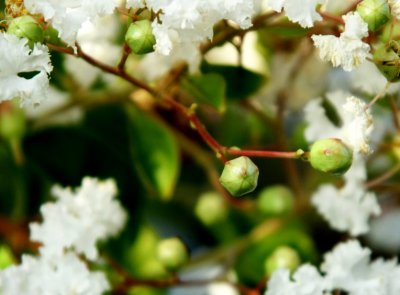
(375, 13)
(387, 60)
(140, 38)
(331, 155)
(172, 253)
(12, 123)
(26, 27)
(211, 208)
(275, 200)
(282, 257)
(239, 176)
(6, 257)
(51, 36)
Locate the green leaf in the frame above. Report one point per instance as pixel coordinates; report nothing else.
(155, 153)
(240, 82)
(208, 88)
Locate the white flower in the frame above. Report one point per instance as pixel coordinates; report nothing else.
(183, 25)
(67, 16)
(356, 121)
(369, 79)
(18, 59)
(347, 268)
(395, 8)
(62, 275)
(306, 281)
(348, 50)
(298, 11)
(95, 38)
(348, 208)
(80, 218)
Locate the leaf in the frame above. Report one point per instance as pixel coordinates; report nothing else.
(208, 88)
(155, 153)
(240, 82)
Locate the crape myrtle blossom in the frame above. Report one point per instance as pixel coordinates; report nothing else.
(183, 25)
(79, 218)
(395, 8)
(68, 16)
(298, 11)
(63, 275)
(333, 203)
(348, 267)
(348, 50)
(71, 226)
(18, 64)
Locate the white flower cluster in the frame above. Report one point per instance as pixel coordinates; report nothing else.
(347, 268)
(68, 16)
(395, 8)
(183, 25)
(23, 71)
(71, 227)
(348, 50)
(347, 208)
(302, 12)
(356, 121)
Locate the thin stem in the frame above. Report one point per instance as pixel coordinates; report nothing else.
(266, 154)
(385, 176)
(378, 96)
(124, 58)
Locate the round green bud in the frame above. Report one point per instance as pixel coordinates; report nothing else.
(239, 176)
(51, 36)
(386, 58)
(275, 200)
(282, 257)
(140, 38)
(211, 208)
(172, 253)
(375, 13)
(331, 155)
(6, 257)
(26, 27)
(12, 123)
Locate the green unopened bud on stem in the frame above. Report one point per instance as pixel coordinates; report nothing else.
(211, 208)
(239, 176)
(172, 253)
(275, 200)
(331, 155)
(26, 27)
(375, 13)
(282, 257)
(140, 38)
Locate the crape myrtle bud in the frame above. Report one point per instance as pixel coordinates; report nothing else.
(375, 13)
(275, 200)
(282, 257)
(12, 123)
(172, 253)
(239, 176)
(211, 208)
(26, 27)
(140, 38)
(331, 155)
